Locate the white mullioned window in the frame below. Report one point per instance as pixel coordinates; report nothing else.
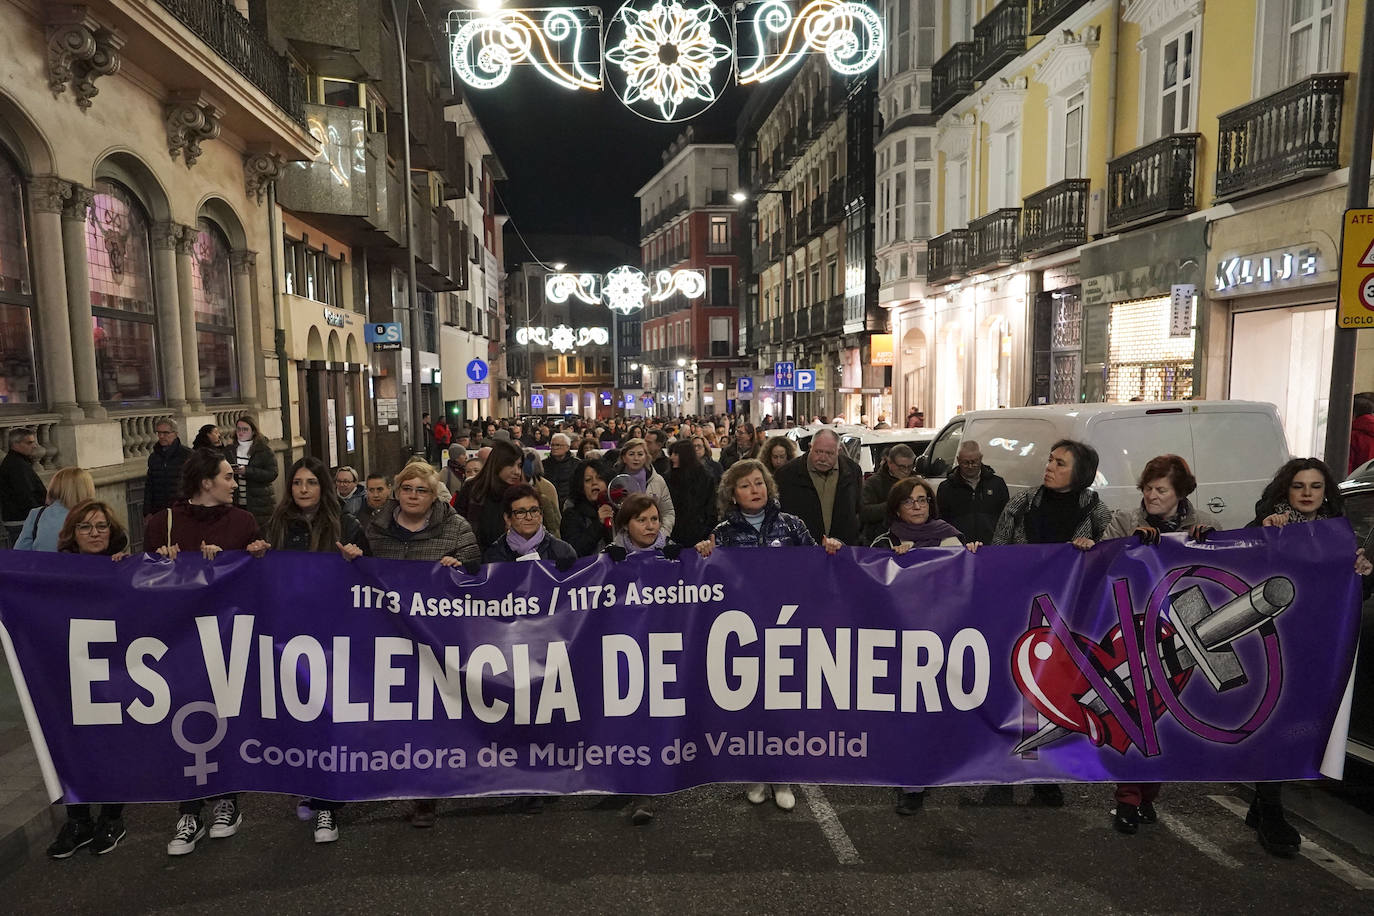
(1311, 27)
(1177, 88)
(1073, 136)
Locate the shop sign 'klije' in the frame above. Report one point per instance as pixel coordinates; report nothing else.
(666, 60)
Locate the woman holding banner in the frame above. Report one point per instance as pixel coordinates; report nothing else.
(91, 528)
(309, 517)
(634, 461)
(1304, 490)
(1062, 510)
(751, 517)
(526, 537)
(208, 522)
(638, 530)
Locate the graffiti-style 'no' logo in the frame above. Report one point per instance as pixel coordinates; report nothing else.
(1091, 688)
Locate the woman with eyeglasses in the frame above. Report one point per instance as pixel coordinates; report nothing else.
(634, 461)
(91, 528)
(43, 525)
(526, 537)
(255, 469)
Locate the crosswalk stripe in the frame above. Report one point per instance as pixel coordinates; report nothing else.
(1333, 863)
(831, 827)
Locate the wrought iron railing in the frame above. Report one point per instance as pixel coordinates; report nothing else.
(1293, 134)
(1000, 36)
(244, 47)
(951, 77)
(1046, 14)
(1055, 217)
(948, 258)
(994, 239)
(1153, 182)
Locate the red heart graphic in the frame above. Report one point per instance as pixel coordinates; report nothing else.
(1047, 676)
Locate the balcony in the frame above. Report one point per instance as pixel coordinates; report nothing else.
(951, 78)
(347, 179)
(1055, 218)
(994, 239)
(999, 37)
(1046, 14)
(244, 48)
(948, 257)
(817, 212)
(802, 223)
(834, 313)
(834, 201)
(1152, 183)
(775, 246)
(1285, 137)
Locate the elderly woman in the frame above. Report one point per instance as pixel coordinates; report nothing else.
(634, 461)
(1061, 510)
(416, 525)
(91, 528)
(68, 487)
(526, 537)
(750, 517)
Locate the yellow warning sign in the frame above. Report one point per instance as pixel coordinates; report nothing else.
(1356, 308)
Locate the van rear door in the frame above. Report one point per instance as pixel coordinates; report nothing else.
(1236, 452)
(1126, 444)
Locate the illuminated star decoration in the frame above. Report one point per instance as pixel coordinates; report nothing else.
(625, 289)
(561, 338)
(667, 55)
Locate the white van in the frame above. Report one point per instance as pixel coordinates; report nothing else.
(866, 446)
(1233, 447)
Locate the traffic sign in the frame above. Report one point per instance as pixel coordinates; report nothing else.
(805, 380)
(536, 401)
(745, 385)
(782, 375)
(1356, 309)
(477, 370)
(383, 336)
(477, 392)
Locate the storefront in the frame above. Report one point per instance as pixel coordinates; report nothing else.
(1271, 311)
(327, 347)
(1138, 334)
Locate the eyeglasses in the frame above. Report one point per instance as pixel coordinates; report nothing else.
(415, 491)
(165, 432)
(88, 527)
(970, 462)
(911, 502)
(901, 468)
(526, 513)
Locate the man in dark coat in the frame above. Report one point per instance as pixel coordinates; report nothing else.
(896, 464)
(20, 489)
(561, 466)
(822, 489)
(656, 443)
(972, 497)
(742, 445)
(163, 483)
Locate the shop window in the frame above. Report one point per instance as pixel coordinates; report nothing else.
(18, 363)
(123, 308)
(1143, 361)
(212, 294)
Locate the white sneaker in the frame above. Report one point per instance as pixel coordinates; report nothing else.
(783, 797)
(225, 819)
(326, 827)
(189, 830)
(758, 793)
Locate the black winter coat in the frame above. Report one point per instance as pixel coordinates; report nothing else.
(259, 475)
(873, 503)
(583, 528)
(694, 505)
(973, 510)
(163, 486)
(551, 549)
(297, 536)
(20, 489)
(562, 474)
(797, 495)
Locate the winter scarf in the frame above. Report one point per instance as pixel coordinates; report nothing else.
(929, 534)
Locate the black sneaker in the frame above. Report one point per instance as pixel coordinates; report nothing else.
(1126, 818)
(1148, 815)
(108, 833)
(1048, 794)
(225, 819)
(190, 830)
(1276, 835)
(908, 803)
(72, 836)
(326, 826)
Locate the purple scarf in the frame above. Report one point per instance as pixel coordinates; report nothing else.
(929, 534)
(642, 477)
(523, 545)
(623, 540)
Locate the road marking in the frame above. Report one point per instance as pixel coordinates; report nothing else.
(1198, 841)
(1315, 853)
(830, 825)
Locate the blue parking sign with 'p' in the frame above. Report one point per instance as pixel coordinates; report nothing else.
(746, 384)
(805, 379)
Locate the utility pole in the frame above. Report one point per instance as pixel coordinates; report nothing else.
(1339, 406)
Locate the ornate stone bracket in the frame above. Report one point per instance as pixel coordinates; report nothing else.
(80, 51)
(79, 203)
(243, 260)
(49, 194)
(191, 118)
(186, 241)
(166, 234)
(261, 169)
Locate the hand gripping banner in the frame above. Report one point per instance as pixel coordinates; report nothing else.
(153, 680)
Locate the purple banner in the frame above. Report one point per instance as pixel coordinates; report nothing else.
(153, 680)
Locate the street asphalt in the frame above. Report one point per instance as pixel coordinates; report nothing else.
(842, 850)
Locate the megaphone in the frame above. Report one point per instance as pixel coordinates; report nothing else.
(622, 486)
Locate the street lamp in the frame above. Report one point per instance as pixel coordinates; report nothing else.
(416, 410)
(681, 362)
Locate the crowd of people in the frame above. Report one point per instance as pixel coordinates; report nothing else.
(504, 491)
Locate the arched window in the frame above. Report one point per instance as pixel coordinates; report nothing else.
(213, 294)
(18, 365)
(123, 308)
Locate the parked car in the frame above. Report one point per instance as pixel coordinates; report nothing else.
(1233, 447)
(1358, 491)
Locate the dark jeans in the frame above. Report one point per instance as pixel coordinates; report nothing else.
(83, 812)
(324, 804)
(198, 806)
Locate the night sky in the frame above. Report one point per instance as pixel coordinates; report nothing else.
(575, 159)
